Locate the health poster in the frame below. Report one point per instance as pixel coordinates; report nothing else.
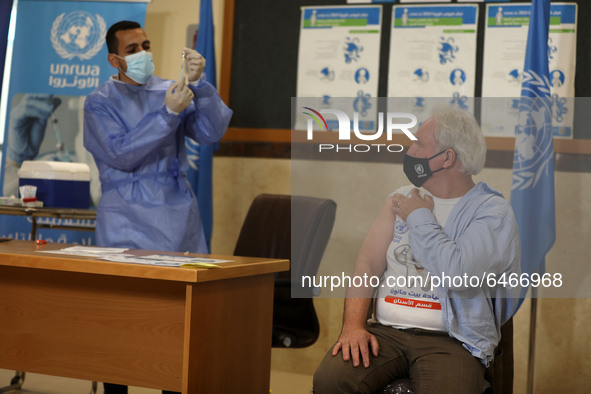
(505, 42)
(433, 54)
(338, 61)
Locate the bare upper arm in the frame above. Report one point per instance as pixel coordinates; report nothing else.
(372, 256)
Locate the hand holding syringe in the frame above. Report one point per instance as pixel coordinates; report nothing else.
(193, 64)
(179, 95)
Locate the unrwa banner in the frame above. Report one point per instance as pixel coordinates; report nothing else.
(58, 57)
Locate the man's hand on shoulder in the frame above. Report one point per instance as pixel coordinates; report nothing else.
(403, 206)
(355, 342)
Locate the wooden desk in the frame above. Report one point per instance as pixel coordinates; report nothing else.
(189, 330)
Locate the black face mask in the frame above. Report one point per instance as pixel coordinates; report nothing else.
(417, 170)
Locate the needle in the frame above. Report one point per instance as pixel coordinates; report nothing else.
(183, 64)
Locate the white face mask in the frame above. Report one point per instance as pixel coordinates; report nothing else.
(140, 66)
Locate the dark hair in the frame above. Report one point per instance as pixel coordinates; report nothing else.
(111, 39)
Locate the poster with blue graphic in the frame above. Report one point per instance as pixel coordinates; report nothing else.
(339, 57)
(58, 57)
(504, 54)
(433, 55)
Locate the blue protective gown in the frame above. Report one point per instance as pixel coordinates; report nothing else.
(139, 149)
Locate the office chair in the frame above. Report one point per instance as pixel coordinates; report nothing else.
(295, 228)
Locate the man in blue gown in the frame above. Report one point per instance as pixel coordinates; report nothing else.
(135, 126)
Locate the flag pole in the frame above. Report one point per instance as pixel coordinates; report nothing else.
(532, 340)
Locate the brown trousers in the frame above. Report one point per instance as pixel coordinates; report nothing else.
(435, 363)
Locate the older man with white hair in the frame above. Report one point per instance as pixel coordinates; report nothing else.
(441, 248)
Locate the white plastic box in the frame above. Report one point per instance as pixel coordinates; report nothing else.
(59, 184)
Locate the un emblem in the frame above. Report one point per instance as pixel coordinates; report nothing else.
(533, 134)
(78, 34)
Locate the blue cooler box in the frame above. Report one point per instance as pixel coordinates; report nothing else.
(59, 184)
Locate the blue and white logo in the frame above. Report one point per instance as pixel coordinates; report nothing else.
(459, 100)
(361, 103)
(457, 77)
(362, 75)
(78, 34)
(400, 227)
(557, 78)
(193, 151)
(327, 74)
(352, 50)
(447, 50)
(421, 75)
(533, 147)
(559, 108)
(514, 76)
(552, 49)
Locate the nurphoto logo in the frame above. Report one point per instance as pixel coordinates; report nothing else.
(402, 121)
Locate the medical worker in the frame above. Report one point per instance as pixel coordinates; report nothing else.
(135, 126)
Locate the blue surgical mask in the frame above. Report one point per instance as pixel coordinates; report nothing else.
(140, 66)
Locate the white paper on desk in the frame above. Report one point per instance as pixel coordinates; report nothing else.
(130, 259)
(116, 255)
(184, 259)
(87, 251)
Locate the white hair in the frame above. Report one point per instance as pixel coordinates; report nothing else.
(458, 130)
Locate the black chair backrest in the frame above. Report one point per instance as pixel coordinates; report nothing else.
(288, 227)
(266, 231)
(295, 228)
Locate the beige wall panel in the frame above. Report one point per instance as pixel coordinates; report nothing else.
(166, 27)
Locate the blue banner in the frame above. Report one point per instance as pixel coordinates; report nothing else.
(59, 56)
(201, 156)
(532, 190)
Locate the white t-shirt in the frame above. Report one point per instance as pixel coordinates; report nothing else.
(407, 304)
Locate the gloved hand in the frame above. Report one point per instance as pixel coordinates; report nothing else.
(26, 128)
(178, 97)
(194, 64)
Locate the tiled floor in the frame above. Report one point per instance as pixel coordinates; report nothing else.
(281, 383)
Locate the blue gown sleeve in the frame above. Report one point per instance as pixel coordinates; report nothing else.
(108, 138)
(210, 119)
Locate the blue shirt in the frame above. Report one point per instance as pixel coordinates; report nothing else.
(480, 239)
